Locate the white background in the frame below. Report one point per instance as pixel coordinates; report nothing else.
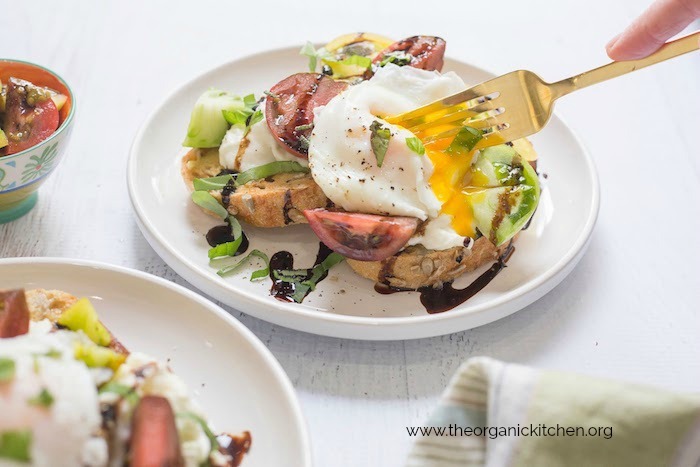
(628, 311)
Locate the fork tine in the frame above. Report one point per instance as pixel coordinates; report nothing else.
(442, 104)
(465, 115)
(488, 126)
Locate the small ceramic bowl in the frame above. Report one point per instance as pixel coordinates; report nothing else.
(22, 173)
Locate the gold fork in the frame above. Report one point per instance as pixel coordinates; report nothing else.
(519, 103)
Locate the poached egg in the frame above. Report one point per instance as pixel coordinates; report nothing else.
(425, 186)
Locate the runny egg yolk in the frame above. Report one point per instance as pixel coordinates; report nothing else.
(453, 182)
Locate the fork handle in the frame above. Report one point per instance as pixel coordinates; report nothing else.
(669, 50)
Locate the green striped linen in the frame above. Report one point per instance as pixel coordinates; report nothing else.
(610, 423)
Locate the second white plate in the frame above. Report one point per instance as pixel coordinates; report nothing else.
(233, 376)
(346, 305)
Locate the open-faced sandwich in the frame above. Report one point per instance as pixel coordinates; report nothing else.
(322, 147)
(72, 395)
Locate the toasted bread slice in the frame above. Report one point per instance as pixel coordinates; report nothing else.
(50, 304)
(417, 267)
(276, 201)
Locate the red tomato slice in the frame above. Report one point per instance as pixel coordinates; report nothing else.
(154, 438)
(428, 52)
(14, 313)
(27, 124)
(289, 108)
(364, 237)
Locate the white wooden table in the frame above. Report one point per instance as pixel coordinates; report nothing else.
(628, 311)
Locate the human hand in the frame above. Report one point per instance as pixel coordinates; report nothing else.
(661, 21)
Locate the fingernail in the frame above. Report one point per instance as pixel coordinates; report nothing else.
(612, 42)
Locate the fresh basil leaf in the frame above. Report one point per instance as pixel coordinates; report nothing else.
(465, 141)
(7, 369)
(379, 138)
(236, 229)
(308, 126)
(16, 445)
(127, 392)
(53, 353)
(225, 249)
(212, 183)
(398, 58)
(305, 281)
(236, 116)
(314, 55)
(304, 142)
(43, 399)
(214, 443)
(321, 269)
(290, 275)
(204, 200)
(255, 118)
(300, 292)
(250, 100)
(415, 145)
(272, 95)
(257, 274)
(267, 170)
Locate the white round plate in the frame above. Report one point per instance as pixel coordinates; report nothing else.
(346, 305)
(237, 381)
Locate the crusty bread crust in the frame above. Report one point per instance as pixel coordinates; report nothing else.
(416, 267)
(273, 202)
(50, 304)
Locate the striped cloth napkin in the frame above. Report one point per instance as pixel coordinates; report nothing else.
(520, 416)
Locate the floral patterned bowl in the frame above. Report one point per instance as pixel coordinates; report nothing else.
(22, 173)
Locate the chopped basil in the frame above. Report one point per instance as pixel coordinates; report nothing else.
(257, 274)
(43, 399)
(236, 116)
(255, 118)
(398, 57)
(465, 141)
(267, 170)
(308, 126)
(247, 116)
(212, 183)
(236, 229)
(415, 145)
(16, 445)
(321, 269)
(225, 249)
(304, 280)
(272, 95)
(304, 142)
(314, 55)
(214, 444)
(204, 200)
(379, 138)
(7, 369)
(53, 353)
(250, 100)
(127, 392)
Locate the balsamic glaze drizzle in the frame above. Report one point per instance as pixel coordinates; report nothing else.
(235, 446)
(284, 261)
